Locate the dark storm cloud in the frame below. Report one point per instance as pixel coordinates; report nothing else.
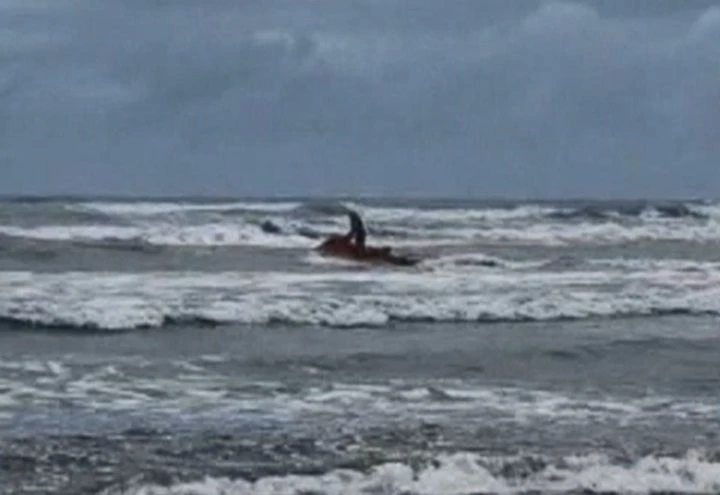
(487, 98)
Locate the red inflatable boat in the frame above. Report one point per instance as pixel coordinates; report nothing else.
(341, 247)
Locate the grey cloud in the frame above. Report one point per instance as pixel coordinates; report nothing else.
(484, 98)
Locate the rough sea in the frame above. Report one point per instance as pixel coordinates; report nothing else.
(202, 347)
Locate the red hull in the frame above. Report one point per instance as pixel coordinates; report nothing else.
(341, 247)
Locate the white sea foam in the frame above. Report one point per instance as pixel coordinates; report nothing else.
(350, 298)
(452, 215)
(178, 223)
(164, 207)
(197, 388)
(73, 232)
(649, 264)
(165, 234)
(558, 233)
(468, 473)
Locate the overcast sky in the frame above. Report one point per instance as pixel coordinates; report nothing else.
(363, 97)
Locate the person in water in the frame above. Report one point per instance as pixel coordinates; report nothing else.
(357, 231)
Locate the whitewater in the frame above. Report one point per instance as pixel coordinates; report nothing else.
(202, 346)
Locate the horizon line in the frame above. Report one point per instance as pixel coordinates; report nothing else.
(37, 197)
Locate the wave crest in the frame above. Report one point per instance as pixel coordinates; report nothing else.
(468, 473)
(295, 224)
(348, 298)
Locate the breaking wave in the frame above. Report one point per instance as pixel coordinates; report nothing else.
(613, 212)
(297, 224)
(149, 321)
(115, 301)
(471, 474)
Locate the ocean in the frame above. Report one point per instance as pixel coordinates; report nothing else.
(194, 346)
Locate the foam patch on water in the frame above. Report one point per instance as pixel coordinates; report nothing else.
(115, 301)
(315, 258)
(469, 474)
(208, 387)
(679, 265)
(168, 234)
(452, 215)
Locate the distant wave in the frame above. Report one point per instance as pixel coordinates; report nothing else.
(610, 212)
(281, 233)
(155, 208)
(137, 225)
(322, 208)
(261, 234)
(102, 212)
(48, 213)
(18, 247)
